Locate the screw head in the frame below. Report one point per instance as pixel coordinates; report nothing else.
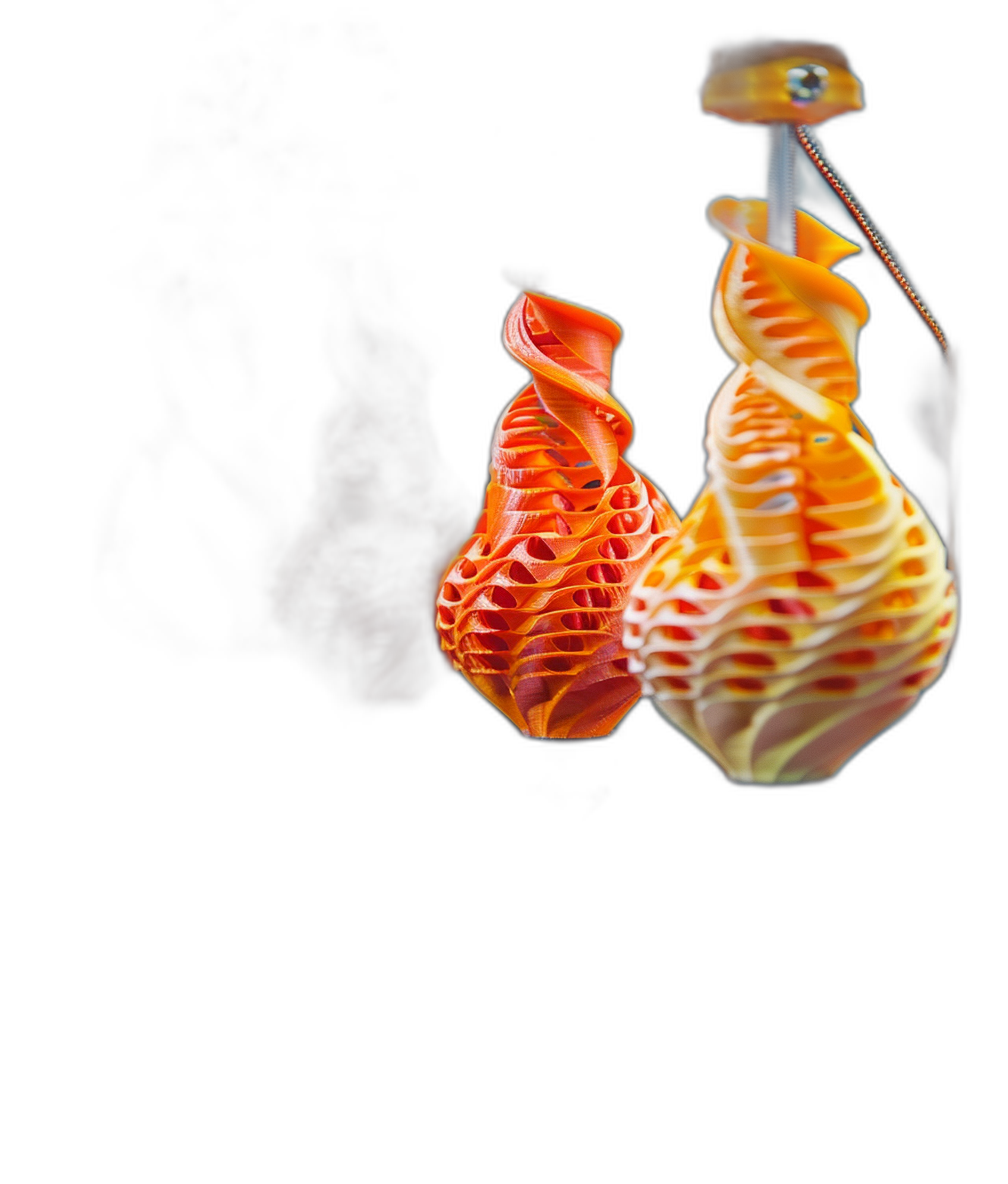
(805, 84)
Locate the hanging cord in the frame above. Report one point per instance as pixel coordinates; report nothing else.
(893, 264)
(877, 239)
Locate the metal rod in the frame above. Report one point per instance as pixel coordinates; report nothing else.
(780, 196)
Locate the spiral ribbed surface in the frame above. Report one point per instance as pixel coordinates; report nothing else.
(530, 612)
(805, 603)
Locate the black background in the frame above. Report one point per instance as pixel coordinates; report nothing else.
(235, 156)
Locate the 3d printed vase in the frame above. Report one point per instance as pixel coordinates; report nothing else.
(805, 604)
(531, 610)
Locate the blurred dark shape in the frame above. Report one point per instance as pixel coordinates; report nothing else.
(193, 512)
(354, 598)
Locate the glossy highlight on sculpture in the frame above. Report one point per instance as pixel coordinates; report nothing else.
(531, 610)
(806, 602)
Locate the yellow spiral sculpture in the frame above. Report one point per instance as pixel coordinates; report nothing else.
(805, 603)
(531, 610)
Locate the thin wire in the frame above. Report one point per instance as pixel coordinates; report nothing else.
(877, 239)
(891, 261)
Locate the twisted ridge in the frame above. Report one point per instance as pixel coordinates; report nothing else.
(805, 603)
(531, 610)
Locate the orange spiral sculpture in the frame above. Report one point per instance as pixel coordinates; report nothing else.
(531, 610)
(805, 603)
